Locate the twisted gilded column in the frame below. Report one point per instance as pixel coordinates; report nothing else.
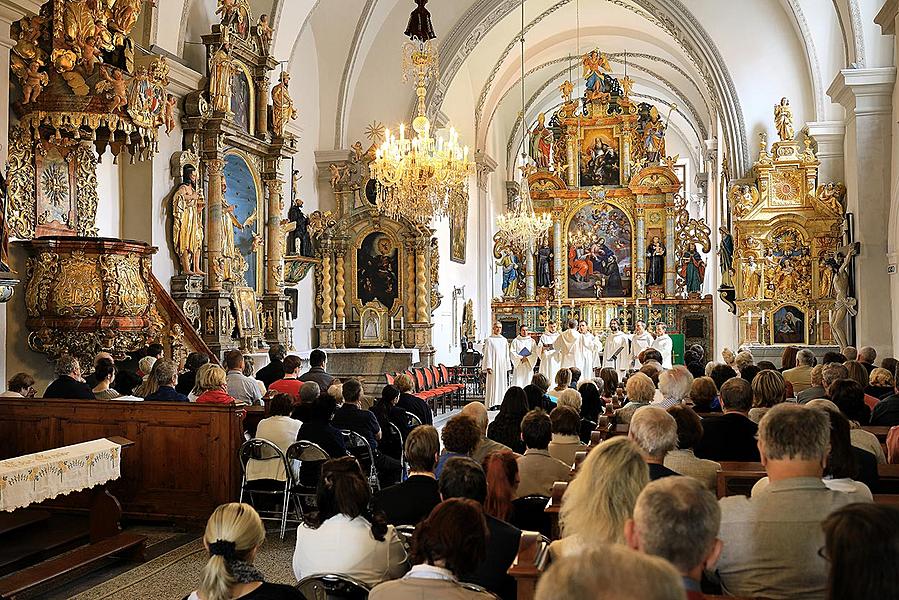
(262, 84)
(422, 296)
(274, 272)
(327, 313)
(670, 258)
(340, 283)
(214, 168)
(640, 251)
(531, 275)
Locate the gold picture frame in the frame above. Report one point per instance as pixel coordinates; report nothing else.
(373, 325)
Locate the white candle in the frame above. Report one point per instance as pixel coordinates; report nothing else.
(625, 303)
(829, 316)
(391, 321)
(343, 324)
(334, 323)
(650, 303)
(763, 317)
(750, 316)
(817, 316)
(636, 303)
(402, 321)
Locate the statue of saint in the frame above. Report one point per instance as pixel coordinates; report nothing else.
(693, 271)
(752, 278)
(187, 222)
(783, 120)
(282, 105)
(221, 69)
(726, 257)
(299, 240)
(541, 143)
(655, 256)
(229, 222)
(843, 304)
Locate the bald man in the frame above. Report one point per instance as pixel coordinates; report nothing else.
(478, 412)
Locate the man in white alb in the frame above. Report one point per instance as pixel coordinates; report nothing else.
(548, 353)
(640, 341)
(590, 346)
(616, 352)
(663, 344)
(497, 363)
(523, 352)
(568, 344)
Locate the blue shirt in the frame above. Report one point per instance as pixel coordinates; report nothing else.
(166, 393)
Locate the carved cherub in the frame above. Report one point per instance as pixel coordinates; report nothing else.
(743, 198)
(833, 196)
(115, 86)
(566, 88)
(33, 82)
(90, 54)
(169, 112)
(265, 32)
(338, 174)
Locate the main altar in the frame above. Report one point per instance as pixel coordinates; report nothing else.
(622, 242)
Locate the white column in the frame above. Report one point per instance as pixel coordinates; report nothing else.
(867, 96)
(830, 137)
(725, 330)
(482, 209)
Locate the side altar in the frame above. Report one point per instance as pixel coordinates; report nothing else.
(622, 242)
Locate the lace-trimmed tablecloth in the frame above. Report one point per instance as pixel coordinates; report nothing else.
(37, 477)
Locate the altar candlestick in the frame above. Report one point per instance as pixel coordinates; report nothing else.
(817, 316)
(829, 316)
(391, 321)
(403, 322)
(763, 318)
(343, 324)
(637, 303)
(650, 303)
(625, 303)
(334, 323)
(750, 316)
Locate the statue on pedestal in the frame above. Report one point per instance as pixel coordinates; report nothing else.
(221, 69)
(282, 105)
(843, 305)
(187, 222)
(726, 257)
(299, 241)
(783, 120)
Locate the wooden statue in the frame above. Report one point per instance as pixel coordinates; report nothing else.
(187, 223)
(282, 105)
(265, 32)
(34, 82)
(115, 86)
(221, 69)
(169, 113)
(843, 305)
(783, 120)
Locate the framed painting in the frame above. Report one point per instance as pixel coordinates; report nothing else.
(242, 99)
(373, 325)
(377, 266)
(242, 214)
(459, 233)
(600, 253)
(788, 325)
(246, 309)
(599, 161)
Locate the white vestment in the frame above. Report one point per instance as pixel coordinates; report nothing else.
(617, 341)
(639, 343)
(569, 346)
(663, 344)
(591, 347)
(523, 366)
(550, 362)
(497, 359)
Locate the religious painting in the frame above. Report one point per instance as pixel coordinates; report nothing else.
(788, 325)
(512, 272)
(599, 160)
(377, 263)
(245, 307)
(655, 258)
(459, 233)
(241, 100)
(240, 219)
(600, 253)
(373, 325)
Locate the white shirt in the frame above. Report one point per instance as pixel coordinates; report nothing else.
(498, 359)
(664, 345)
(346, 546)
(616, 341)
(639, 343)
(282, 432)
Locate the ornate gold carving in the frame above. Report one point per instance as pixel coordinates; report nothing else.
(42, 271)
(282, 105)
(21, 211)
(79, 292)
(783, 120)
(436, 296)
(126, 292)
(146, 99)
(86, 189)
(187, 213)
(743, 198)
(833, 196)
(221, 70)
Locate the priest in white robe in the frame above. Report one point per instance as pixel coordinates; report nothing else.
(640, 341)
(663, 344)
(496, 364)
(524, 357)
(590, 348)
(616, 350)
(550, 361)
(569, 346)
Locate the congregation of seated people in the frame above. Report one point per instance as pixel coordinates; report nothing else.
(407, 511)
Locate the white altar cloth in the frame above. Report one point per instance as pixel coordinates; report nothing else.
(37, 477)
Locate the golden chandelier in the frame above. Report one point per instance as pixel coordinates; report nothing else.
(420, 177)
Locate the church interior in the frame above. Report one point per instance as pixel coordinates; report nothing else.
(348, 299)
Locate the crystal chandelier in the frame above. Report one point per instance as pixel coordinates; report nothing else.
(420, 176)
(522, 226)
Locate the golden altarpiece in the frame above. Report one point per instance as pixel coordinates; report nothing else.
(792, 254)
(622, 242)
(376, 285)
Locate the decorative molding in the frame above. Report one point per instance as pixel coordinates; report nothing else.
(864, 92)
(811, 56)
(886, 17)
(343, 90)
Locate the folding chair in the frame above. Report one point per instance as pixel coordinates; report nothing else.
(399, 435)
(310, 455)
(412, 420)
(333, 586)
(261, 451)
(361, 449)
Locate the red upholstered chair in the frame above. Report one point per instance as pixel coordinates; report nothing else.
(389, 378)
(457, 388)
(422, 391)
(441, 393)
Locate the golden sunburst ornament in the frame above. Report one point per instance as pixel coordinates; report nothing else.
(375, 131)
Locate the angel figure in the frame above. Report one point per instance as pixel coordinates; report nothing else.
(566, 88)
(33, 82)
(752, 278)
(265, 32)
(833, 196)
(169, 112)
(282, 105)
(227, 11)
(114, 85)
(229, 222)
(783, 120)
(594, 63)
(338, 174)
(90, 54)
(743, 198)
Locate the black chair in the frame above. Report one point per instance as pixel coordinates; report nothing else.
(259, 451)
(476, 588)
(399, 435)
(333, 586)
(529, 514)
(361, 449)
(305, 459)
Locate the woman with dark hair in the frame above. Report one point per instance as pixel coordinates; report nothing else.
(104, 374)
(704, 395)
(450, 543)
(682, 460)
(537, 398)
(788, 358)
(592, 405)
(344, 536)
(386, 410)
(861, 546)
(849, 397)
(609, 377)
(317, 429)
(506, 427)
(501, 469)
(188, 379)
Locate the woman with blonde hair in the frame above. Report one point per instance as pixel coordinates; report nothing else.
(768, 389)
(233, 535)
(880, 383)
(563, 382)
(212, 385)
(149, 385)
(601, 497)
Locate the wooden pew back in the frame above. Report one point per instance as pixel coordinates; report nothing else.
(529, 564)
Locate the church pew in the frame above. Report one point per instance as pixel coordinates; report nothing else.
(890, 499)
(554, 506)
(183, 463)
(880, 431)
(529, 563)
(737, 478)
(579, 458)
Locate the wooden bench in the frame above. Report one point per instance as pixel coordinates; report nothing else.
(880, 431)
(554, 506)
(737, 478)
(529, 563)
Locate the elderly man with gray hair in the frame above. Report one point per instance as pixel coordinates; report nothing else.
(830, 373)
(655, 432)
(771, 540)
(867, 355)
(69, 383)
(800, 376)
(677, 519)
(674, 386)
